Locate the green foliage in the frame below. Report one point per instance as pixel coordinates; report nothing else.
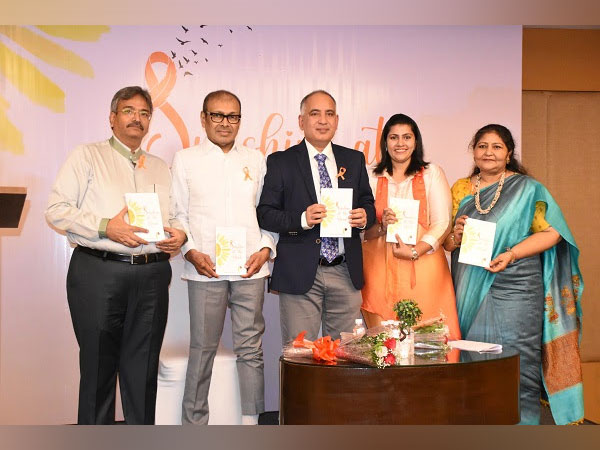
(408, 313)
(438, 326)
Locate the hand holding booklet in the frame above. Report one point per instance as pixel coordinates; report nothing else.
(230, 251)
(407, 216)
(338, 203)
(477, 243)
(144, 211)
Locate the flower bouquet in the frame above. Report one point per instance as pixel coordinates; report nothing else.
(431, 336)
(321, 349)
(381, 346)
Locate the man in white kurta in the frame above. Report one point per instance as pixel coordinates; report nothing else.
(118, 283)
(218, 184)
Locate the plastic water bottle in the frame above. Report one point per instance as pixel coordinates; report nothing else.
(359, 328)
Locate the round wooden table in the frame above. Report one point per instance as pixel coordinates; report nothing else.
(474, 389)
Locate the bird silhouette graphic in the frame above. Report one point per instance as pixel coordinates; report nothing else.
(202, 26)
(187, 73)
(195, 62)
(220, 45)
(248, 26)
(173, 54)
(204, 40)
(182, 42)
(186, 60)
(230, 30)
(185, 30)
(180, 65)
(195, 53)
(206, 59)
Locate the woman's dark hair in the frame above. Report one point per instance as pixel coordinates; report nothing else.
(506, 136)
(416, 159)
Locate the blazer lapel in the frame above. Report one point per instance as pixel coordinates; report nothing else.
(305, 171)
(341, 167)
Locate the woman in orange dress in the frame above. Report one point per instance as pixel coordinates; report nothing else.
(398, 271)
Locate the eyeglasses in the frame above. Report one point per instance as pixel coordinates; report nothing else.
(130, 112)
(218, 117)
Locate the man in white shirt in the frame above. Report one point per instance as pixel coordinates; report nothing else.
(218, 184)
(118, 283)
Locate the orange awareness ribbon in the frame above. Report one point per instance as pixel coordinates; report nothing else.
(160, 90)
(141, 162)
(341, 173)
(247, 173)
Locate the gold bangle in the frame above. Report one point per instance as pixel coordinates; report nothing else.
(512, 254)
(452, 238)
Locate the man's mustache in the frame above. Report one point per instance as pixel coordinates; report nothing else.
(136, 123)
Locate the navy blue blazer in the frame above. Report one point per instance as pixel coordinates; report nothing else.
(287, 191)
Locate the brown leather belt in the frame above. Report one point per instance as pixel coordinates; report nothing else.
(142, 258)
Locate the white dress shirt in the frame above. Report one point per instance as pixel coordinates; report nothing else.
(439, 200)
(212, 188)
(331, 167)
(90, 188)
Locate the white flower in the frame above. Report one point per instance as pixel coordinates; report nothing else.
(381, 352)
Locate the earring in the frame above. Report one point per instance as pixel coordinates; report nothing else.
(507, 159)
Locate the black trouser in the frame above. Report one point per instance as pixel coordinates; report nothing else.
(119, 313)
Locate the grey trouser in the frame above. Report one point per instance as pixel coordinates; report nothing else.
(332, 301)
(208, 305)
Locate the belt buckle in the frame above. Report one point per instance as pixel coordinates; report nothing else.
(132, 260)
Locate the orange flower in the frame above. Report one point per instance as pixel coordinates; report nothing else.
(324, 349)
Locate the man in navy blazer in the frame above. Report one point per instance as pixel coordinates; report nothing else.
(318, 279)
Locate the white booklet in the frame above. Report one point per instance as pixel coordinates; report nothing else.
(338, 203)
(407, 213)
(230, 250)
(474, 346)
(477, 243)
(144, 211)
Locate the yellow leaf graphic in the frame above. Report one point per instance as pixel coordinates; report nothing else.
(11, 138)
(87, 33)
(48, 51)
(30, 81)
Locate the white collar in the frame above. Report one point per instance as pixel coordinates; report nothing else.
(312, 151)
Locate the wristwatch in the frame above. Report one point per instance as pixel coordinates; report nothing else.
(415, 255)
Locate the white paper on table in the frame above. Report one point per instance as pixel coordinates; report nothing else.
(477, 243)
(474, 346)
(144, 212)
(338, 202)
(230, 250)
(407, 214)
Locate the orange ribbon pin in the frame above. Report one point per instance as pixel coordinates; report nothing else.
(341, 173)
(141, 162)
(247, 174)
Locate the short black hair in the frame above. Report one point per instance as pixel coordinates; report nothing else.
(218, 94)
(129, 92)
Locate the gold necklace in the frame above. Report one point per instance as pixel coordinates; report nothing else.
(496, 195)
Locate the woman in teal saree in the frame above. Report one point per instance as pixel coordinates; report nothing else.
(528, 299)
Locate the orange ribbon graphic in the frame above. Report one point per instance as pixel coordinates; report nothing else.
(141, 162)
(341, 173)
(160, 90)
(247, 174)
